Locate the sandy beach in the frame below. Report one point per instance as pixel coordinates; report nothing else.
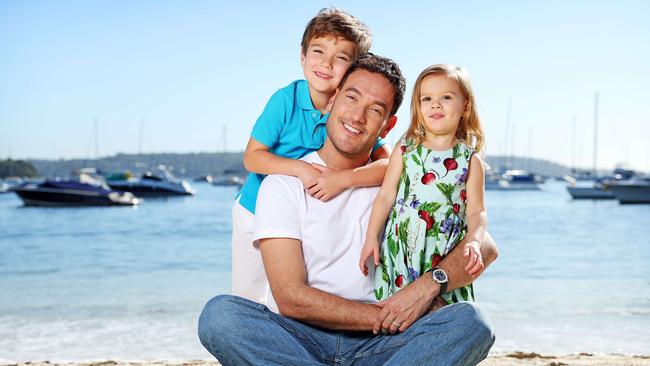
(505, 359)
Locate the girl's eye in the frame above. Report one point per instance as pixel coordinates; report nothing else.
(447, 97)
(426, 99)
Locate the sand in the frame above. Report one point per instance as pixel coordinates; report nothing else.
(505, 359)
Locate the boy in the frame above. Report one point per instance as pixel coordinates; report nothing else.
(293, 125)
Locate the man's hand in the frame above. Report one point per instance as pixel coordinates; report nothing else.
(405, 307)
(327, 185)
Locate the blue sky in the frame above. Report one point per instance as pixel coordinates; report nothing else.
(182, 70)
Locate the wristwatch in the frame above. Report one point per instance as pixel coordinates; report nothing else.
(440, 276)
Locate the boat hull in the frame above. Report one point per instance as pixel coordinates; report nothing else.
(71, 198)
(590, 193)
(153, 189)
(631, 193)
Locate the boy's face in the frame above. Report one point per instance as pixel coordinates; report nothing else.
(326, 61)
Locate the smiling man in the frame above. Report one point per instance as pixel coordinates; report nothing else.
(310, 251)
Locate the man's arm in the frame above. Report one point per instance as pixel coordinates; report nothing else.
(285, 269)
(409, 304)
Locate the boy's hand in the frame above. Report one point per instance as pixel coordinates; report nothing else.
(370, 248)
(326, 186)
(307, 174)
(475, 261)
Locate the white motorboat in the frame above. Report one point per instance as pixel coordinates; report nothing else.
(151, 185)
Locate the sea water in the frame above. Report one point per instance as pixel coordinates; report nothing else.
(129, 282)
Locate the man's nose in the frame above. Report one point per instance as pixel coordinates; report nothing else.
(358, 114)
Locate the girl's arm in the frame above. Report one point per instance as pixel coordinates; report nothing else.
(258, 159)
(476, 213)
(331, 182)
(380, 209)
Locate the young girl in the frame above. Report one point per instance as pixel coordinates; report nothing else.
(435, 186)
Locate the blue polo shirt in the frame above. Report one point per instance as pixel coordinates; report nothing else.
(291, 127)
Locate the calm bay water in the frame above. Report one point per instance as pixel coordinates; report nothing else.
(129, 283)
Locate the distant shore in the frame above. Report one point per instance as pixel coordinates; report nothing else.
(500, 359)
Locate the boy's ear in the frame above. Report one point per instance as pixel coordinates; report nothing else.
(389, 126)
(330, 103)
(302, 58)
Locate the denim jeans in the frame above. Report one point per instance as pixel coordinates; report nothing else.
(240, 332)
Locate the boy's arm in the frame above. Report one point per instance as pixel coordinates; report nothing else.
(258, 159)
(331, 182)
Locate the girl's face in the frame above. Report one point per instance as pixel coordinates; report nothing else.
(442, 104)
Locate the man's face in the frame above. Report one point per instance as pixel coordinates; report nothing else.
(359, 112)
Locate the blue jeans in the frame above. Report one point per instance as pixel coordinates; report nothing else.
(240, 332)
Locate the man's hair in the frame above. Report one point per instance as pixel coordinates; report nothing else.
(384, 66)
(337, 23)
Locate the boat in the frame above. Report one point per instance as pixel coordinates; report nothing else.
(585, 186)
(634, 190)
(515, 180)
(228, 181)
(151, 185)
(67, 192)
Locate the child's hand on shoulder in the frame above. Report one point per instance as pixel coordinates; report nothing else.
(475, 264)
(327, 185)
(307, 174)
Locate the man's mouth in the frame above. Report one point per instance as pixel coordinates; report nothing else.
(351, 129)
(321, 75)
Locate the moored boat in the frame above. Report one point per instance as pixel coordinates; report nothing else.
(60, 193)
(635, 190)
(151, 185)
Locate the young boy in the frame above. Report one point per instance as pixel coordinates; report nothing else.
(293, 125)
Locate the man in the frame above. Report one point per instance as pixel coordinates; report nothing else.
(310, 251)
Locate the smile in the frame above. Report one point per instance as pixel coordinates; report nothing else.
(321, 75)
(351, 129)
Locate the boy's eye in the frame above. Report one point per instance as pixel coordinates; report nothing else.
(343, 58)
(317, 51)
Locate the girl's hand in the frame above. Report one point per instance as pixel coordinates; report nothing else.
(475, 261)
(307, 174)
(370, 248)
(327, 185)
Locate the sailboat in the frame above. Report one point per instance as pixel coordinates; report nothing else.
(589, 186)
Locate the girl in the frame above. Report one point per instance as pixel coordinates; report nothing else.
(435, 185)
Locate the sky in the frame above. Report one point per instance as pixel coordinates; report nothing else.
(193, 76)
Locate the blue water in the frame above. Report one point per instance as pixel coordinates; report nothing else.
(129, 283)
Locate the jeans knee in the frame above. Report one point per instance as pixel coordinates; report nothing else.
(476, 321)
(214, 321)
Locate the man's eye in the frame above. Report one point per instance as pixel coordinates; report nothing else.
(351, 97)
(376, 111)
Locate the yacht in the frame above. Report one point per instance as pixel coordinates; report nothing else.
(149, 184)
(67, 192)
(634, 190)
(515, 180)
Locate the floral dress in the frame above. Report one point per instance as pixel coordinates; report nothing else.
(428, 218)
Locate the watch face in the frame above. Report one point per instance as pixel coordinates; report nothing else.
(439, 275)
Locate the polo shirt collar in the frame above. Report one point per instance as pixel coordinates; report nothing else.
(304, 100)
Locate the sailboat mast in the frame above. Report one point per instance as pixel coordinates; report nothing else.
(595, 134)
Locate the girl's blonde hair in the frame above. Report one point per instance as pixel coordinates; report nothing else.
(469, 130)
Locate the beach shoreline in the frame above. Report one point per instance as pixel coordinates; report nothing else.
(496, 359)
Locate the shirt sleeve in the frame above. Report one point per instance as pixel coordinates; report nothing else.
(380, 142)
(269, 124)
(277, 213)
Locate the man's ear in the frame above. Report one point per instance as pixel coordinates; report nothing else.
(389, 126)
(330, 103)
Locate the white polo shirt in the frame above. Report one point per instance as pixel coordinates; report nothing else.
(332, 233)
